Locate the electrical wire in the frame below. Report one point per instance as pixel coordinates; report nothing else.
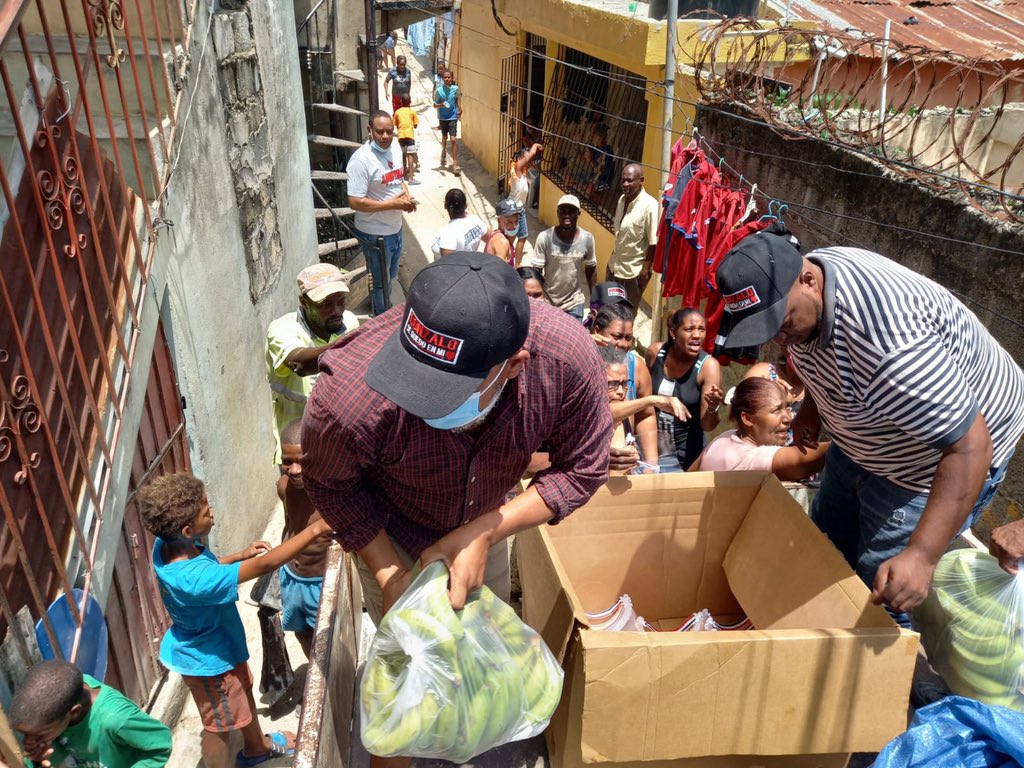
(721, 161)
(660, 93)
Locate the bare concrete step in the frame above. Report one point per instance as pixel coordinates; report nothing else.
(326, 249)
(352, 74)
(339, 108)
(329, 176)
(330, 141)
(325, 213)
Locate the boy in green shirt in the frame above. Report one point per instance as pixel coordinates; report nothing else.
(70, 718)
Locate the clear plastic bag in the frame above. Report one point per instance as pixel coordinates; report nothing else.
(450, 685)
(972, 626)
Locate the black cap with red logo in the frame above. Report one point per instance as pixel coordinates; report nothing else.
(755, 278)
(465, 313)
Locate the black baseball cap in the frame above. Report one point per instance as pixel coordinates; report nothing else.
(508, 207)
(755, 278)
(465, 313)
(609, 293)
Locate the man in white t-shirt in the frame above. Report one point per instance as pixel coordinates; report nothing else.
(568, 259)
(378, 193)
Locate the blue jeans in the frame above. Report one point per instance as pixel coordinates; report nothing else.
(577, 312)
(392, 254)
(869, 518)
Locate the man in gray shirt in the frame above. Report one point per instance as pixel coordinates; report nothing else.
(568, 259)
(378, 193)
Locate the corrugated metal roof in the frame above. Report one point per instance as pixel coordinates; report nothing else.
(973, 28)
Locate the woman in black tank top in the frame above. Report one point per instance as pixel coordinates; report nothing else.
(680, 367)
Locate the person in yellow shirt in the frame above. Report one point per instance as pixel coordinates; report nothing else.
(296, 340)
(406, 121)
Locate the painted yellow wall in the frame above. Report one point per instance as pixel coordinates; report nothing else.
(481, 49)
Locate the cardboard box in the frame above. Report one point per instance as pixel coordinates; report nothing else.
(824, 673)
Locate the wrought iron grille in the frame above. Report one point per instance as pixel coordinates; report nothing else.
(594, 122)
(91, 90)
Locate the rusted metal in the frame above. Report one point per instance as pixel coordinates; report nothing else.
(941, 112)
(971, 28)
(76, 216)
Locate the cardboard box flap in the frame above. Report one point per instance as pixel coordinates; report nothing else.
(816, 588)
(679, 695)
(550, 609)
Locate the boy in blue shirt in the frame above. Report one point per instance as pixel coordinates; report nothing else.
(206, 642)
(448, 102)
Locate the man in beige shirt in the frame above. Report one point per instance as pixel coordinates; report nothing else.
(636, 235)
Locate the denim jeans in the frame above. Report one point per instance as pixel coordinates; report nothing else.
(392, 253)
(577, 312)
(869, 518)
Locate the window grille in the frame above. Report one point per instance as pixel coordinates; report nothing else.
(594, 122)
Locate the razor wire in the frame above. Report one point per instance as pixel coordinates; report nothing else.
(933, 116)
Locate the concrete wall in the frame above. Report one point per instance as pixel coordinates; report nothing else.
(216, 321)
(812, 173)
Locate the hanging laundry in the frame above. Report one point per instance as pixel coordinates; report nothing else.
(680, 173)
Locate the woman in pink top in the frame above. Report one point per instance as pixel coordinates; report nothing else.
(760, 410)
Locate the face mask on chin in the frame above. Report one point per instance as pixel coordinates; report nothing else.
(469, 414)
(379, 149)
(510, 232)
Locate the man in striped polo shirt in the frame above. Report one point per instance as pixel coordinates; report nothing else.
(924, 407)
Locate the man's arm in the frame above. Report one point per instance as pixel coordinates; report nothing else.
(387, 568)
(590, 262)
(806, 426)
(645, 271)
(305, 361)
(902, 582)
(402, 202)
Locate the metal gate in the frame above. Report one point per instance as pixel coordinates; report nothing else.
(90, 91)
(513, 106)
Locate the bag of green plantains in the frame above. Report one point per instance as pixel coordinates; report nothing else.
(448, 684)
(972, 627)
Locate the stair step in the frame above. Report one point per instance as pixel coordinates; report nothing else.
(355, 275)
(326, 249)
(325, 213)
(330, 141)
(339, 108)
(352, 74)
(328, 176)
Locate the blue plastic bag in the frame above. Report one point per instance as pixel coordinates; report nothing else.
(958, 733)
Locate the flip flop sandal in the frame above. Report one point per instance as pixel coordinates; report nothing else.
(456, 170)
(278, 748)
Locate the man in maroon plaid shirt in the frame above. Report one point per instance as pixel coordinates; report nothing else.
(425, 418)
